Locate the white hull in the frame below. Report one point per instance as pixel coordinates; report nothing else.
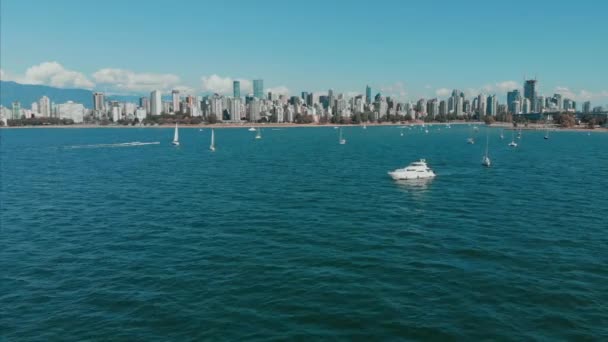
(407, 176)
(416, 170)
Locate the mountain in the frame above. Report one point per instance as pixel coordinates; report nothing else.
(28, 93)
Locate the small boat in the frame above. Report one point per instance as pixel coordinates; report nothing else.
(502, 134)
(415, 170)
(512, 143)
(259, 134)
(252, 129)
(519, 134)
(486, 159)
(335, 127)
(212, 146)
(470, 141)
(426, 131)
(175, 141)
(342, 140)
(475, 128)
(200, 130)
(401, 132)
(364, 126)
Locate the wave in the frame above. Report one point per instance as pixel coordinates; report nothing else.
(126, 144)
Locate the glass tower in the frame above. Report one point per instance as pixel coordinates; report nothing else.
(258, 89)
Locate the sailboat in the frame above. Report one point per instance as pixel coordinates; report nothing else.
(259, 134)
(212, 146)
(342, 140)
(486, 158)
(513, 143)
(176, 136)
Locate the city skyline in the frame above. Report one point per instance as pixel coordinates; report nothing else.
(406, 55)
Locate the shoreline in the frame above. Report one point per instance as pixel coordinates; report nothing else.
(503, 125)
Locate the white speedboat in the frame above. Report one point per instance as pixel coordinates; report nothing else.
(416, 170)
(252, 129)
(470, 141)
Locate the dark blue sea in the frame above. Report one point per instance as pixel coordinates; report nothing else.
(295, 237)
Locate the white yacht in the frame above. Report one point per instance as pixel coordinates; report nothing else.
(252, 129)
(415, 170)
(175, 141)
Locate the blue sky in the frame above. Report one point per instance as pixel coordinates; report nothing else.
(408, 49)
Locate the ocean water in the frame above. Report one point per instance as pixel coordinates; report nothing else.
(297, 237)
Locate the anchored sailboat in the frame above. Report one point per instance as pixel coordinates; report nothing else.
(513, 143)
(212, 146)
(486, 158)
(176, 136)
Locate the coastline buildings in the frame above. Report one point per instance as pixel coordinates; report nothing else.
(155, 102)
(530, 93)
(258, 89)
(236, 89)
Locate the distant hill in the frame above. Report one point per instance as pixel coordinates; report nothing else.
(28, 93)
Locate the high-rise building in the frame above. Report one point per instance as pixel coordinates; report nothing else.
(71, 110)
(234, 107)
(458, 105)
(310, 99)
(304, 96)
(530, 93)
(236, 89)
(512, 96)
(481, 104)
(144, 102)
(175, 100)
(156, 103)
(491, 105)
(443, 108)
(99, 101)
(258, 89)
(368, 94)
(16, 110)
(586, 107)
(44, 107)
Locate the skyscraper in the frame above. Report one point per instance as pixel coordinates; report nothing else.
(44, 106)
(175, 100)
(144, 102)
(156, 103)
(491, 105)
(99, 101)
(258, 89)
(513, 96)
(530, 93)
(368, 94)
(236, 89)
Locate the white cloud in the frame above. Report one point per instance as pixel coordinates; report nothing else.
(506, 86)
(281, 90)
(443, 92)
(51, 74)
(223, 85)
(581, 95)
(396, 90)
(129, 81)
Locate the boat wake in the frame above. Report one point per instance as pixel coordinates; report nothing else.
(127, 144)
